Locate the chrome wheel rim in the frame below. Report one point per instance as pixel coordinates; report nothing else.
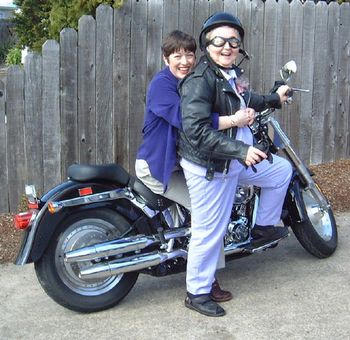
(319, 218)
(80, 234)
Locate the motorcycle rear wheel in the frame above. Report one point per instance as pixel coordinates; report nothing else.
(60, 279)
(318, 233)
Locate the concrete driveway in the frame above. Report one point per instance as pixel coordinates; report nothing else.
(283, 293)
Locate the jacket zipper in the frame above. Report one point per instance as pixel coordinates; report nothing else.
(229, 135)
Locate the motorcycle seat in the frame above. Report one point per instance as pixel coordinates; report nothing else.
(152, 200)
(109, 172)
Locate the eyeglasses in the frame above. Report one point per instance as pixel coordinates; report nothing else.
(221, 41)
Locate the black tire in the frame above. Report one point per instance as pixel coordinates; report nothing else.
(60, 279)
(318, 233)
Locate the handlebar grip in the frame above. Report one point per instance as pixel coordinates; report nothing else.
(290, 93)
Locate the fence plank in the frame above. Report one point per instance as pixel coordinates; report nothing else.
(87, 89)
(282, 51)
(15, 135)
(256, 45)
(138, 76)
(69, 98)
(4, 203)
(34, 120)
(270, 38)
(171, 16)
(215, 6)
(121, 82)
(243, 11)
(332, 82)
(231, 6)
(154, 38)
(295, 50)
(186, 16)
(51, 114)
(320, 79)
(342, 140)
(104, 85)
(201, 8)
(306, 71)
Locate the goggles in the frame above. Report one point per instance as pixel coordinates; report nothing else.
(221, 41)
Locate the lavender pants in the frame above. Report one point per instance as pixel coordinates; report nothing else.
(211, 203)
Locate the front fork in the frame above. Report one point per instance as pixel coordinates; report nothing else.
(302, 172)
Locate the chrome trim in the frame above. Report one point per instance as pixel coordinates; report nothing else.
(110, 248)
(94, 198)
(129, 264)
(235, 248)
(120, 246)
(103, 197)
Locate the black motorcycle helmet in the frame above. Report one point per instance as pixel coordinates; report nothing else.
(216, 20)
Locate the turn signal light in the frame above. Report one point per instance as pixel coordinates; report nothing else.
(22, 220)
(33, 205)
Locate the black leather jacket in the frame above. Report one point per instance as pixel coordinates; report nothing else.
(203, 91)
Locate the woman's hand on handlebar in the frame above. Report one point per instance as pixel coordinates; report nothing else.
(254, 156)
(284, 93)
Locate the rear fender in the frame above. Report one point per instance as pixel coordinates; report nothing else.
(37, 239)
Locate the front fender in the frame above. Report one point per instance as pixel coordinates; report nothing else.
(293, 202)
(38, 237)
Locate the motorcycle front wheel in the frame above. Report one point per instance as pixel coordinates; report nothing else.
(318, 233)
(61, 280)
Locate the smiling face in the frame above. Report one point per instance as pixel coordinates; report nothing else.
(180, 62)
(224, 56)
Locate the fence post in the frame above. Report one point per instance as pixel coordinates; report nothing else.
(34, 120)
(69, 98)
(104, 85)
(342, 140)
(87, 89)
(51, 115)
(4, 203)
(121, 83)
(15, 135)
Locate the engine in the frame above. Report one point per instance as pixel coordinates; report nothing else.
(238, 228)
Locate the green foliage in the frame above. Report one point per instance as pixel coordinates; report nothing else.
(14, 56)
(32, 22)
(40, 20)
(4, 49)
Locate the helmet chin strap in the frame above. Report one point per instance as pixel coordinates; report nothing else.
(241, 51)
(245, 56)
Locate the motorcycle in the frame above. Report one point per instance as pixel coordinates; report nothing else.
(91, 236)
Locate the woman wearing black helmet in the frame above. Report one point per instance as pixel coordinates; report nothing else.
(215, 161)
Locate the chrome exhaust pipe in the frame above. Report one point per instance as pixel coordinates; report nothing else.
(129, 264)
(120, 246)
(109, 248)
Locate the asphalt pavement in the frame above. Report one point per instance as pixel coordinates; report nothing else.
(282, 293)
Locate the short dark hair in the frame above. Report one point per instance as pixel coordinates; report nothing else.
(176, 40)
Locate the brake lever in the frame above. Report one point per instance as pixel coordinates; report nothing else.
(291, 92)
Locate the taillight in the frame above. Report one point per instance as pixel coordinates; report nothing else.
(85, 191)
(22, 220)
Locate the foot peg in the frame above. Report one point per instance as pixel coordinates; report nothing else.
(263, 246)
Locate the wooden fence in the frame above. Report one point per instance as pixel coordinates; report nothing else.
(82, 99)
